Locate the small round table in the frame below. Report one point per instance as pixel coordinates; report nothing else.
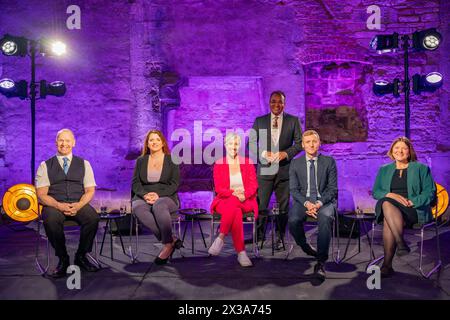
(109, 217)
(359, 218)
(193, 214)
(272, 216)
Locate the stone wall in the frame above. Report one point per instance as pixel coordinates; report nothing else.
(127, 51)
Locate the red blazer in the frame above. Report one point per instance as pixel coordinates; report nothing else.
(221, 173)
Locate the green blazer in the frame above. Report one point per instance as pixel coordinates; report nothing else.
(421, 187)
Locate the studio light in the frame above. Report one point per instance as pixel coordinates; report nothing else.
(428, 39)
(20, 46)
(14, 46)
(11, 89)
(52, 47)
(425, 40)
(384, 43)
(429, 83)
(55, 88)
(382, 87)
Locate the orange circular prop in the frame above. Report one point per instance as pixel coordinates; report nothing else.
(442, 201)
(20, 202)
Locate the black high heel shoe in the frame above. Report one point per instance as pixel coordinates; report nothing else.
(402, 249)
(178, 244)
(159, 261)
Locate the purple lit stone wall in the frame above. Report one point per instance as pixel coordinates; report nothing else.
(129, 55)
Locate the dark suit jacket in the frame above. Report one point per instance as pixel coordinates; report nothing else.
(420, 183)
(167, 185)
(326, 179)
(290, 141)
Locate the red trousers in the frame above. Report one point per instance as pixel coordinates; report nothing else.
(231, 210)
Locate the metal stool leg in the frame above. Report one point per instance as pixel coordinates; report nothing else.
(104, 235)
(120, 237)
(201, 231)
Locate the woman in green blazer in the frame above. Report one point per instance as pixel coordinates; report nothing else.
(404, 190)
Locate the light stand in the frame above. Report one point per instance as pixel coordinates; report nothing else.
(406, 82)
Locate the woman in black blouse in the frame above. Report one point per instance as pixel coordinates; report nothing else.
(155, 182)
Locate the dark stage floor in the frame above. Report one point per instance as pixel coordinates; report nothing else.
(197, 276)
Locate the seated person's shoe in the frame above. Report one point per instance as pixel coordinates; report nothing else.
(386, 272)
(178, 244)
(61, 269)
(310, 251)
(402, 249)
(216, 247)
(244, 260)
(83, 262)
(160, 261)
(319, 271)
(278, 244)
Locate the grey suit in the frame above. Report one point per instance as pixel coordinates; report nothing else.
(274, 177)
(327, 188)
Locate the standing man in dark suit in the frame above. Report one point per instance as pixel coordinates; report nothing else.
(275, 140)
(313, 185)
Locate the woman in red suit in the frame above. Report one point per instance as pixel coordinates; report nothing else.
(235, 185)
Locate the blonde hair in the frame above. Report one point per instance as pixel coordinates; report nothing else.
(65, 130)
(231, 136)
(310, 133)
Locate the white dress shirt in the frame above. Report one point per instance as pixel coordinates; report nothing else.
(42, 179)
(274, 133)
(308, 175)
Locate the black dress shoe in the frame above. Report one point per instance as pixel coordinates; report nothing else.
(319, 271)
(386, 272)
(85, 264)
(61, 269)
(310, 251)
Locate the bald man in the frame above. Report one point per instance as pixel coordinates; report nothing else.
(65, 185)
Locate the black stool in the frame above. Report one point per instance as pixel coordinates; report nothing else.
(110, 217)
(193, 214)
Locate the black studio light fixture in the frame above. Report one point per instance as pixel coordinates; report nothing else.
(425, 40)
(11, 88)
(13, 46)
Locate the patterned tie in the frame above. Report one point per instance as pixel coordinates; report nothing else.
(275, 122)
(312, 182)
(66, 165)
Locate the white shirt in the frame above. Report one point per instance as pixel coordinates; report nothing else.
(236, 181)
(274, 133)
(308, 175)
(42, 179)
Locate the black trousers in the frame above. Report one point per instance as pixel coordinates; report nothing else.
(86, 217)
(265, 189)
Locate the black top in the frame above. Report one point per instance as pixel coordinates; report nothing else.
(399, 184)
(66, 187)
(167, 185)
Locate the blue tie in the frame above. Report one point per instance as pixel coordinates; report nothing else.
(66, 165)
(312, 182)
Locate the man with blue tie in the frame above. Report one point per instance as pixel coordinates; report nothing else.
(65, 185)
(313, 186)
